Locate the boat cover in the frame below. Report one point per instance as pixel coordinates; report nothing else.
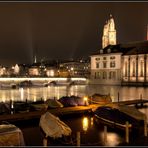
(53, 103)
(131, 111)
(4, 108)
(68, 101)
(53, 126)
(10, 135)
(72, 101)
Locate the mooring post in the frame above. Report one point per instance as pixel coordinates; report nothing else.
(78, 138)
(45, 141)
(127, 132)
(145, 126)
(105, 134)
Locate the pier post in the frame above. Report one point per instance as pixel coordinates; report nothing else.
(145, 126)
(78, 138)
(105, 134)
(127, 132)
(45, 141)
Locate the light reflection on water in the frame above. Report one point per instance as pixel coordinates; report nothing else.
(85, 123)
(113, 139)
(125, 93)
(92, 133)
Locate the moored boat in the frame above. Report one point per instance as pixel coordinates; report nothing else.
(117, 116)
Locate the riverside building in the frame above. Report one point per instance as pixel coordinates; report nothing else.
(119, 64)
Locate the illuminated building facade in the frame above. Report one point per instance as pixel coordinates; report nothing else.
(135, 64)
(109, 33)
(122, 64)
(106, 66)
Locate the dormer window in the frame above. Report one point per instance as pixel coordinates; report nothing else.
(101, 50)
(97, 59)
(108, 50)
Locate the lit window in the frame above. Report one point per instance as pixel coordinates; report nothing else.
(112, 64)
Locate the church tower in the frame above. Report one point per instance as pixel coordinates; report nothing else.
(109, 33)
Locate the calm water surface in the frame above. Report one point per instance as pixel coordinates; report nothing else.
(125, 93)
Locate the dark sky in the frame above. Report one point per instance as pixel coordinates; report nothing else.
(65, 30)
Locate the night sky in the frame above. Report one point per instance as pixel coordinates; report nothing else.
(65, 30)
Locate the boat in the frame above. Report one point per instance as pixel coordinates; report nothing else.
(21, 107)
(5, 108)
(38, 106)
(25, 83)
(55, 129)
(116, 116)
(10, 135)
(101, 98)
(69, 101)
(53, 103)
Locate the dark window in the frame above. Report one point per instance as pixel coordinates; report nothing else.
(125, 69)
(104, 75)
(97, 65)
(133, 69)
(104, 58)
(142, 68)
(99, 75)
(112, 58)
(104, 64)
(97, 59)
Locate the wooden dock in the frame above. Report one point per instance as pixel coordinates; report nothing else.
(37, 114)
(133, 102)
(64, 111)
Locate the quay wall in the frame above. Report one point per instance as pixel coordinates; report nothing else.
(41, 79)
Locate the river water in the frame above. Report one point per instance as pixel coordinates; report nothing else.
(90, 132)
(125, 93)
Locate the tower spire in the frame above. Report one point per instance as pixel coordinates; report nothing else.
(35, 57)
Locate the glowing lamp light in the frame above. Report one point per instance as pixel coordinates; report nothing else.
(85, 100)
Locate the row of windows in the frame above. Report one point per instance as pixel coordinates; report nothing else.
(134, 69)
(105, 75)
(112, 64)
(105, 58)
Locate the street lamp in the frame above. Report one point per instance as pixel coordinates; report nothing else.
(85, 100)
